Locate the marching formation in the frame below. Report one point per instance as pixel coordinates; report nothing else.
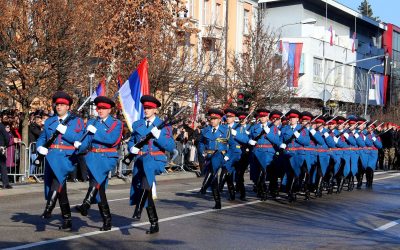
(294, 153)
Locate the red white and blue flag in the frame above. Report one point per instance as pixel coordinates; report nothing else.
(100, 89)
(131, 91)
(331, 38)
(292, 56)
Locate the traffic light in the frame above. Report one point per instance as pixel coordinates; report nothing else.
(240, 101)
(386, 65)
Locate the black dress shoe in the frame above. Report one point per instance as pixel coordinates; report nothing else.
(8, 187)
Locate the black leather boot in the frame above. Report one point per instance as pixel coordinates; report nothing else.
(215, 192)
(222, 179)
(369, 175)
(206, 182)
(137, 214)
(360, 177)
(153, 219)
(231, 186)
(262, 187)
(106, 215)
(90, 197)
(51, 203)
(66, 215)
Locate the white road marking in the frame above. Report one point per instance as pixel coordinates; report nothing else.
(78, 236)
(387, 177)
(387, 225)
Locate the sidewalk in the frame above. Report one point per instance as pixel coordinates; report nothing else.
(39, 187)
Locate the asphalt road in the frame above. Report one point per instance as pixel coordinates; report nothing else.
(361, 219)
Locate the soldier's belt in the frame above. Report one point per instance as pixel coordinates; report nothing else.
(321, 150)
(301, 148)
(61, 146)
(369, 148)
(336, 149)
(151, 153)
(103, 150)
(264, 146)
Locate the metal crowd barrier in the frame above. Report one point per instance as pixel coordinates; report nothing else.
(31, 170)
(16, 156)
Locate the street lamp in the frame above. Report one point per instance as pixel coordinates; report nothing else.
(305, 21)
(368, 86)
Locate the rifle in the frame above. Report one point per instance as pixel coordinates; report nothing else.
(372, 123)
(169, 120)
(379, 125)
(384, 132)
(39, 159)
(299, 130)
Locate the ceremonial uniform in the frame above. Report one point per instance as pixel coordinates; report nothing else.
(263, 137)
(101, 142)
(214, 145)
(150, 160)
(60, 158)
(373, 157)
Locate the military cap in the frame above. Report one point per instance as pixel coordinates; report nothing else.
(230, 112)
(306, 116)
(275, 114)
(261, 112)
(149, 101)
(61, 97)
(293, 113)
(320, 119)
(369, 124)
(352, 120)
(340, 119)
(329, 120)
(242, 115)
(104, 102)
(215, 113)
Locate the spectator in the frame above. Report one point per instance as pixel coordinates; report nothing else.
(4, 140)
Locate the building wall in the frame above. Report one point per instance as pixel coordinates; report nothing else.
(346, 83)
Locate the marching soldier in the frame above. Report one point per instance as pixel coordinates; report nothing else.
(243, 163)
(277, 171)
(150, 160)
(236, 139)
(60, 157)
(263, 137)
(102, 156)
(342, 167)
(296, 137)
(214, 145)
(373, 156)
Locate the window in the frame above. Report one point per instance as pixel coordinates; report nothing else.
(339, 74)
(246, 22)
(329, 66)
(317, 70)
(348, 76)
(206, 12)
(218, 15)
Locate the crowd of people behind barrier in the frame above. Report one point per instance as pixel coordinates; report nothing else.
(184, 158)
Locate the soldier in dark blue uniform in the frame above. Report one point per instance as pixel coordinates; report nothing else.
(214, 145)
(236, 139)
(243, 163)
(373, 153)
(150, 160)
(60, 157)
(101, 146)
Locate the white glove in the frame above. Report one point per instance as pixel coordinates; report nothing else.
(266, 129)
(247, 132)
(77, 144)
(283, 146)
(374, 138)
(335, 139)
(226, 158)
(297, 134)
(156, 132)
(233, 132)
(134, 150)
(346, 135)
(252, 142)
(2, 150)
(61, 128)
(42, 150)
(92, 129)
(312, 131)
(326, 134)
(356, 136)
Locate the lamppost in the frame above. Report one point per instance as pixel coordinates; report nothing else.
(368, 86)
(305, 21)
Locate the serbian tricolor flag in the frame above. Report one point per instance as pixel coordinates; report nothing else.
(331, 38)
(291, 55)
(131, 91)
(100, 89)
(353, 46)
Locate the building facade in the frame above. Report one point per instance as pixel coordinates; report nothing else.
(332, 37)
(391, 43)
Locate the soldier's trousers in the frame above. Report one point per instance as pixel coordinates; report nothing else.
(389, 157)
